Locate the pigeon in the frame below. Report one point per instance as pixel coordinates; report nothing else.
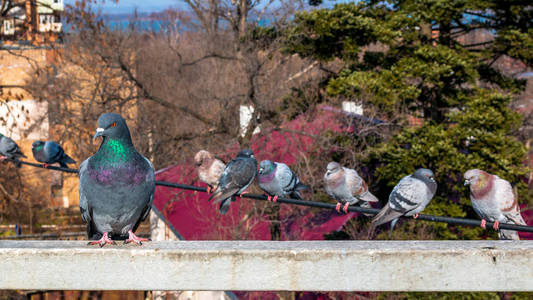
(209, 169)
(49, 153)
(116, 185)
(345, 186)
(408, 198)
(493, 199)
(278, 180)
(236, 178)
(9, 150)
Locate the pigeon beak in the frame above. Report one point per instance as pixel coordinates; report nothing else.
(467, 182)
(99, 132)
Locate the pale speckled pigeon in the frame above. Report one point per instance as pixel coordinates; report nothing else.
(278, 180)
(49, 153)
(493, 199)
(236, 178)
(210, 169)
(9, 149)
(116, 185)
(408, 198)
(346, 186)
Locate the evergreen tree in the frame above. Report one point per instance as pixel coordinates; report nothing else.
(423, 68)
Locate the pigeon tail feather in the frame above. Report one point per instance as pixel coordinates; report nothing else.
(301, 187)
(385, 215)
(368, 197)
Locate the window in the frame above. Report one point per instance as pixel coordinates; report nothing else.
(57, 19)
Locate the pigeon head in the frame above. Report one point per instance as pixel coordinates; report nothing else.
(113, 126)
(201, 157)
(37, 146)
(266, 167)
(333, 167)
(425, 175)
(476, 177)
(246, 153)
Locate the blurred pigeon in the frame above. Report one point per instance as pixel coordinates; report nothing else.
(116, 185)
(9, 150)
(237, 176)
(209, 169)
(49, 153)
(493, 199)
(408, 198)
(278, 180)
(345, 186)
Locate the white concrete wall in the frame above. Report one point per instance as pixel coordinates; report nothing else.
(260, 265)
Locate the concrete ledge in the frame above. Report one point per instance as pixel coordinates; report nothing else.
(258, 265)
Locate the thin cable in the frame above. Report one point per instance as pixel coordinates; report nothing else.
(372, 211)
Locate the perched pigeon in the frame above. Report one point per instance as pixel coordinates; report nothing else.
(345, 186)
(237, 176)
(50, 153)
(408, 198)
(278, 180)
(493, 199)
(209, 169)
(116, 185)
(9, 149)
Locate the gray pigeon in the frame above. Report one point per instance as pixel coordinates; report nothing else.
(346, 186)
(236, 178)
(408, 198)
(116, 185)
(278, 180)
(9, 149)
(49, 153)
(493, 199)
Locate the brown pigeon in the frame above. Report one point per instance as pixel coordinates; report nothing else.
(209, 169)
(345, 186)
(493, 199)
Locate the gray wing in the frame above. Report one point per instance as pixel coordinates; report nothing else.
(286, 178)
(238, 175)
(407, 195)
(84, 203)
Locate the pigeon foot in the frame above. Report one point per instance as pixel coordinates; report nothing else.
(345, 208)
(103, 241)
(338, 207)
(275, 199)
(2, 158)
(415, 216)
(496, 225)
(46, 166)
(483, 222)
(209, 190)
(243, 193)
(135, 239)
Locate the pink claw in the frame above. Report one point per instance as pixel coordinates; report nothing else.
(133, 238)
(209, 190)
(46, 166)
(269, 198)
(483, 222)
(2, 158)
(103, 241)
(275, 199)
(338, 207)
(243, 193)
(345, 208)
(415, 216)
(496, 225)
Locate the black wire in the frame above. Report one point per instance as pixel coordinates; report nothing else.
(372, 211)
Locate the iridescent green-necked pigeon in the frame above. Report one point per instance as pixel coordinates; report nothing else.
(278, 180)
(49, 153)
(116, 185)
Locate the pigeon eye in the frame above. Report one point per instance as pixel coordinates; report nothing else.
(114, 124)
